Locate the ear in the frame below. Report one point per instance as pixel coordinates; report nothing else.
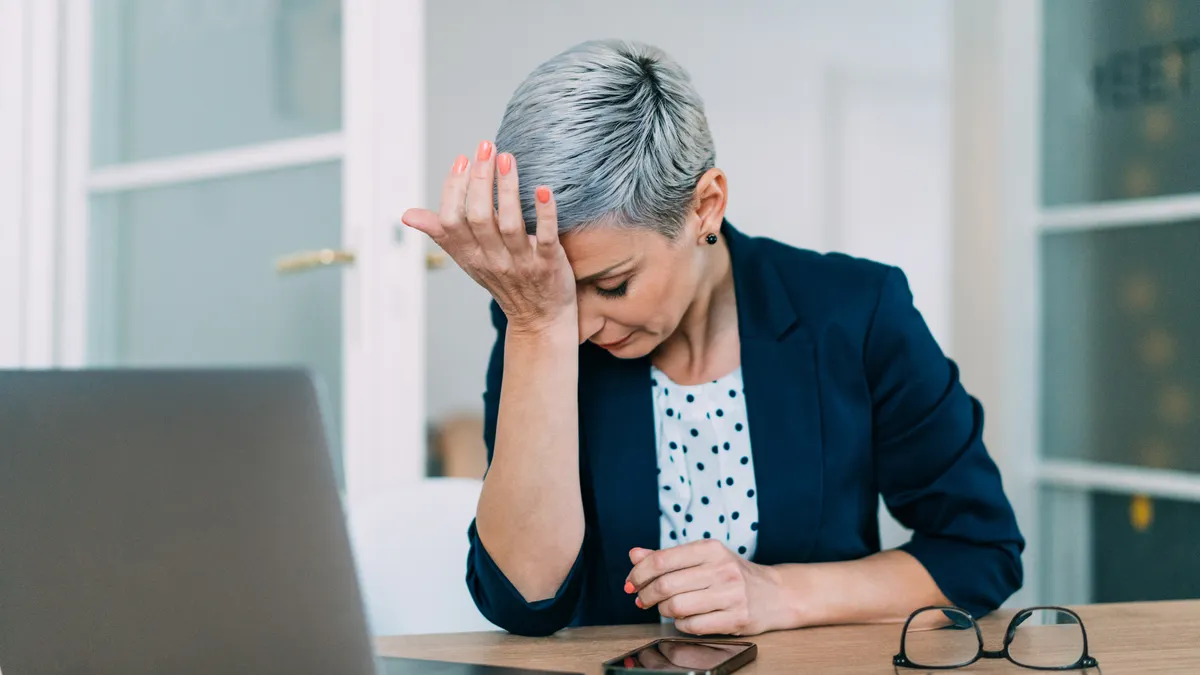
(712, 194)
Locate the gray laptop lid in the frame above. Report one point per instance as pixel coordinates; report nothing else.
(397, 666)
(172, 522)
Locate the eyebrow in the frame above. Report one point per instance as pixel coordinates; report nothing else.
(602, 273)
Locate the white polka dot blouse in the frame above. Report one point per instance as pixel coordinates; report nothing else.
(705, 470)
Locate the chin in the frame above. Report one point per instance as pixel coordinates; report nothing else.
(636, 348)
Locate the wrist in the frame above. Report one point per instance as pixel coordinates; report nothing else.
(802, 594)
(558, 330)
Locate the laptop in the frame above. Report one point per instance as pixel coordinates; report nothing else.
(177, 521)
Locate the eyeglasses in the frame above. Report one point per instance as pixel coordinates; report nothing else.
(1042, 638)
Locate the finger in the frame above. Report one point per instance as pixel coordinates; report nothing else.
(637, 555)
(720, 622)
(666, 561)
(426, 221)
(481, 209)
(508, 197)
(452, 212)
(694, 603)
(672, 559)
(547, 220)
(674, 583)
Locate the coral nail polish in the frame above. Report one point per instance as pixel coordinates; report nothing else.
(504, 163)
(485, 151)
(460, 164)
(638, 602)
(629, 587)
(543, 194)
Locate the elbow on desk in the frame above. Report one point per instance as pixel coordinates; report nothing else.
(502, 604)
(1011, 570)
(999, 579)
(978, 577)
(525, 628)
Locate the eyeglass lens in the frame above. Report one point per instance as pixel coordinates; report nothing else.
(1046, 638)
(940, 638)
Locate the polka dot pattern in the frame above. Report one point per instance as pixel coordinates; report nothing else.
(714, 416)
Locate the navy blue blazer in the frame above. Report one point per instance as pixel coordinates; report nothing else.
(848, 398)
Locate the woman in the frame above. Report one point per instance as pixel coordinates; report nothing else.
(684, 421)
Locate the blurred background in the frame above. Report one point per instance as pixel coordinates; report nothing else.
(219, 182)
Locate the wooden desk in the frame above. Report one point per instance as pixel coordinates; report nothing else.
(1142, 638)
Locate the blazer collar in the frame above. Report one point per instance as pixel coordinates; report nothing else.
(764, 308)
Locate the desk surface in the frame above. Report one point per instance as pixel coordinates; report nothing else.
(1147, 637)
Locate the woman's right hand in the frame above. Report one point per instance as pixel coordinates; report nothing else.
(528, 275)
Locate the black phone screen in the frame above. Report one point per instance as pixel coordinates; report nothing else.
(681, 656)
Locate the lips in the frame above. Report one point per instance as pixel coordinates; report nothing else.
(614, 345)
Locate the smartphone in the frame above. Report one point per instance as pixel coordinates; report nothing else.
(684, 655)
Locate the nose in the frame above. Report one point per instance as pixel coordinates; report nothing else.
(590, 323)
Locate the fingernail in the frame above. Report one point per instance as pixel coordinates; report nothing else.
(638, 602)
(629, 587)
(485, 151)
(543, 194)
(460, 164)
(504, 163)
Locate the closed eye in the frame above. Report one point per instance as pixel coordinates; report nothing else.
(614, 292)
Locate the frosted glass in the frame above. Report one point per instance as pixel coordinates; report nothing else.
(1119, 114)
(1109, 547)
(1121, 346)
(181, 76)
(184, 276)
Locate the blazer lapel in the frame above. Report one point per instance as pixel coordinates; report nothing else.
(779, 373)
(617, 413)
(783, 406)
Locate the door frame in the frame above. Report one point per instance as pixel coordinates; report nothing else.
(29, 62)
(384, 126)
(994, 275)
(44, 228)
(14, 58)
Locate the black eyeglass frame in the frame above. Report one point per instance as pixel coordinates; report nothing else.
(1085, 659)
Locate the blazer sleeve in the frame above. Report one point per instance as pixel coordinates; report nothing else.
(495, 596)
(934, 473)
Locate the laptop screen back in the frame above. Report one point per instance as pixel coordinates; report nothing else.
(172, 522)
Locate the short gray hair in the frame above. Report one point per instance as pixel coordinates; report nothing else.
(616, 130)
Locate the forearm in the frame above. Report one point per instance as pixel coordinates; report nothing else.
(882, 588)
(530, 514)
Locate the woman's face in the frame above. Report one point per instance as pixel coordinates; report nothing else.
(633, 285)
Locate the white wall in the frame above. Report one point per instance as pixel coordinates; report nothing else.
(13, 68)
(766, 71)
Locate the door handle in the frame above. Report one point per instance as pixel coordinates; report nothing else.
(435, 260)
(308, 260)
(328, 257)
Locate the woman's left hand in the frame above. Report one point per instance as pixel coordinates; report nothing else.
(709, 590)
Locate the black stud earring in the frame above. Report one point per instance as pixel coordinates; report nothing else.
(711, 239)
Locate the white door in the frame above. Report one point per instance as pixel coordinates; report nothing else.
(231, 179)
